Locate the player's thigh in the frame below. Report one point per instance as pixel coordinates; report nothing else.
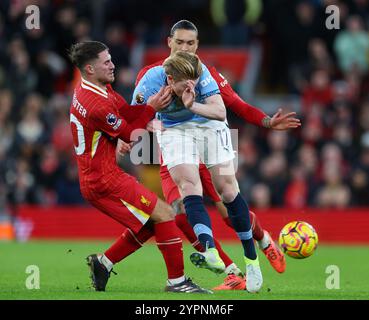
(128, 202)
(177, 146)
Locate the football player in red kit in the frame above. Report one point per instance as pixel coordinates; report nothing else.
(98, 117)
(184, 37)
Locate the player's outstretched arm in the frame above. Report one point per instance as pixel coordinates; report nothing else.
(257, 117)
(282, 122)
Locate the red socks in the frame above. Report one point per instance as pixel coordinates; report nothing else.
(226, 259)
(128, 243)
(257, 230)
(186, 228)
(228, 222)
(170, 245)
(168, 241)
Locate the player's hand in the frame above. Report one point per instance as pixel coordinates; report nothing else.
(124, 147)
(284, 122)
(188, 95)
(161, 99)
(155, 125)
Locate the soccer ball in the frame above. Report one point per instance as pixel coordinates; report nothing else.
(298, 239)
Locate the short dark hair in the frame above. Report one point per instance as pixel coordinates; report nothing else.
(83, 52)
(183, 24)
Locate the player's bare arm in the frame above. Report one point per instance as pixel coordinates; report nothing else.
(213, 108)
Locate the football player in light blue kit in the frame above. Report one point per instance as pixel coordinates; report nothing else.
(196, 130)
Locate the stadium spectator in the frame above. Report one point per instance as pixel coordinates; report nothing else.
(297, 190)
(359, 179)
(261, 196)
(318, 91)
(47, 172)
(360, 8)
(115, 38)
(277, 141)
(234, 18)
(333, 193)
(6, 125)
(22, 78)
(273, 172)
(82, 30)
(318, 59)
(22, 182)
(125, 82)
(352, 47)
(67, 184)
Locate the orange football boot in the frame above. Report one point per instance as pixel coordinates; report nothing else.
(232, 282)
(275, 256)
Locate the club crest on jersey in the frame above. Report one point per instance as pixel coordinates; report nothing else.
(145, 201)
(140, 98)
(111, 119)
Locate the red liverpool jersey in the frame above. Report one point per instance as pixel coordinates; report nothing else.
(98, 117)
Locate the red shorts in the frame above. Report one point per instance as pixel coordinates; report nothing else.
(170, 189)
(127, 202)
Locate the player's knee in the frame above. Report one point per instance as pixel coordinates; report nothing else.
(228, 192)
(189, 186)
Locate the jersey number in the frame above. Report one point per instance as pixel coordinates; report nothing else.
(224, 138)
(80, 149)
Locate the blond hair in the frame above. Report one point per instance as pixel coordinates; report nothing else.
(183, 66)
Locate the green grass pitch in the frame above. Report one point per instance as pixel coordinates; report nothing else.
(64, 274)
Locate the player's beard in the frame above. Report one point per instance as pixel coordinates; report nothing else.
(107, 80)
(112, 77)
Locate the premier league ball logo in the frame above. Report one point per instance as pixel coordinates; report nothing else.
(140, 99)
(111, 119)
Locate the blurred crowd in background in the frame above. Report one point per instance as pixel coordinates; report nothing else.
(325, 163)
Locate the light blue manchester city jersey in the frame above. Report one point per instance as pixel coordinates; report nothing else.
(176, 113)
